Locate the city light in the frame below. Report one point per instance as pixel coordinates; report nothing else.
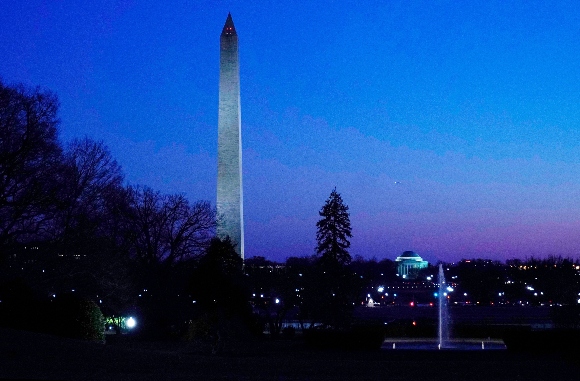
(131, 323)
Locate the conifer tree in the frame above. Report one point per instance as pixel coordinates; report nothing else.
(334, 231)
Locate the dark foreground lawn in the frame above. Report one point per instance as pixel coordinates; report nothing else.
(25, 355)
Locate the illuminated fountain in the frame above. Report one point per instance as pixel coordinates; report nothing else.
(443, 318)
(443, 339)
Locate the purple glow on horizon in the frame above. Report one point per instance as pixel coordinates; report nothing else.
(449, 130)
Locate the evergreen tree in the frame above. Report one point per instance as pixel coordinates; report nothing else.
(334, 231)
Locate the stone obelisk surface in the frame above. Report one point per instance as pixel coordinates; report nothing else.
(229, 185)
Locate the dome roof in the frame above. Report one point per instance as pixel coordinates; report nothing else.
(409, 256)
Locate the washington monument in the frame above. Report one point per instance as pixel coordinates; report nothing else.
(229, 184)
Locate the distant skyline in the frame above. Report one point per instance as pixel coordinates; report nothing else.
(451, 129)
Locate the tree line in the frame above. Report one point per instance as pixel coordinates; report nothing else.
(69, 222)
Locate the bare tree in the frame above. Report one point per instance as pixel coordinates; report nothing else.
(90, 227)
(169, 228)
(91, 185)
(147, 221)
(189, 227)
(30, 156)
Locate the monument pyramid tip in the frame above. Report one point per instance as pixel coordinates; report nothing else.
(229, 28)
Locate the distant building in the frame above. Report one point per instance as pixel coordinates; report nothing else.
(409, 263)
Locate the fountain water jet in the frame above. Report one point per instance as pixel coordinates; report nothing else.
(443, 311)
(443, 341)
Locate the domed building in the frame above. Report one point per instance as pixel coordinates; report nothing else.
(409, 263)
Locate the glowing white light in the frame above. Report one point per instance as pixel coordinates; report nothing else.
(450, 289)
(277, 300)
(131, 323)
(381, 289)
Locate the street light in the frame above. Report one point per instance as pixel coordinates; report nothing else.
(131, 323)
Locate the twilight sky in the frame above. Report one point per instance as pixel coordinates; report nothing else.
(450, 128)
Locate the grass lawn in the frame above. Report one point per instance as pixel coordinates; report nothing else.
(25, 355)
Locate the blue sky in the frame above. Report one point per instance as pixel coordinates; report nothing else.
(450, 128)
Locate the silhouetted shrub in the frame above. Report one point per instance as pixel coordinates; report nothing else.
(288, 332)
(357, 337)
(566, 317)
(215, 333)
(77, 318)
(546, 341)
(20, 308)
(367, 336)
(202, 332)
